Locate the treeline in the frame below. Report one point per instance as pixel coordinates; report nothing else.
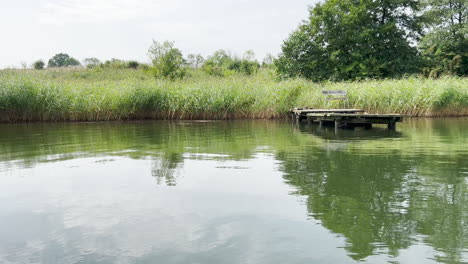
(341, 40)
(168, 62)
(356, 39)
(61, 60)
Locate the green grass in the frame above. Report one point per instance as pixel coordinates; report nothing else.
(121, 94)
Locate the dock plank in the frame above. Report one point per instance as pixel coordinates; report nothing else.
(364, 115)
(305, 111)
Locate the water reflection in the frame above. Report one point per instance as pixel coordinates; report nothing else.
(386, 201)
(359, 133)
(166, 168)
(384, 192)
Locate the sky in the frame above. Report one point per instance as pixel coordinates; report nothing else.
(125, 29)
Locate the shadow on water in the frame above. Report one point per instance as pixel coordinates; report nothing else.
(382, 190)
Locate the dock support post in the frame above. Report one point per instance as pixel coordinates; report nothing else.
(337, 124)
(392, 125)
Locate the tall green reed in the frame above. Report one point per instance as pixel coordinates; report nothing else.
(124, 94)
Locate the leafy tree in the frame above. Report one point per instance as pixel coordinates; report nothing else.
(244, 66)
(249, 55)
(217, 64)
(222, 64)
(220, 58)
(39, 65)
(445, 47)
(352, 39)
(168, 61)
(91, 62)
(62, 60)
(132, 64)
(195, 60)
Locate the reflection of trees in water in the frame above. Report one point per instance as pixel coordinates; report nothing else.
(381, 202)
(443, 213)
(165, 169)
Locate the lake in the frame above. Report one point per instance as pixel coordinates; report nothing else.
(233, 192)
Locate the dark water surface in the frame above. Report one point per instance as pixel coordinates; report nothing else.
(233, 192)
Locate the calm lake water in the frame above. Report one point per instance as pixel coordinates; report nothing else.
(233, 192)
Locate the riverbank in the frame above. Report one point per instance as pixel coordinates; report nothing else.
(125, 94)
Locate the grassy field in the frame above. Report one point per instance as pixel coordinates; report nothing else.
(123, 94)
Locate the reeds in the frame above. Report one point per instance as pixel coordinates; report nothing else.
(124, 94)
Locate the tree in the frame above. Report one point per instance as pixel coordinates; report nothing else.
(195, 60)
(91, 62)
(244, 66)
(132, 65)
(217, 64)
(62, 60)
(352, 39)
(268, 60)
(220, 58)
(222, 64)
(445, 47)
(38, 65)
(249, 55)
(168, 61)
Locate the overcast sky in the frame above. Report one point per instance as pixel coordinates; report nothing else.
(124, 29)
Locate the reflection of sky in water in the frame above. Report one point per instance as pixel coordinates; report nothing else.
(75, 211)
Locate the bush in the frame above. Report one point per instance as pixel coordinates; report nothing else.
(38, 65)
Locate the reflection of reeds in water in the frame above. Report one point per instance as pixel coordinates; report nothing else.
(116, 94)
(166, 170)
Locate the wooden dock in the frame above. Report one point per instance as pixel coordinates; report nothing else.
(345, 118)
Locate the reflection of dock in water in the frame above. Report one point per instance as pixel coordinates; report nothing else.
(345, 118)
(330, 133)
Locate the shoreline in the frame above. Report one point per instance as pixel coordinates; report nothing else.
(283, 118)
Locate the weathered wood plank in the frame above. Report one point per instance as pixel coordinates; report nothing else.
(346, 117)
(363, 115)
(305, 111)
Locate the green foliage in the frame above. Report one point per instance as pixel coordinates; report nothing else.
(62, 60)
(118, 64)
(243, 66)
(195, 61)
(132, 65)
(167, 60)
(268, 61)
(115, 94)
(445, 47)
(38, 65)
(91, 62)
(222, 64)
(114, 64)
(352, 39)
